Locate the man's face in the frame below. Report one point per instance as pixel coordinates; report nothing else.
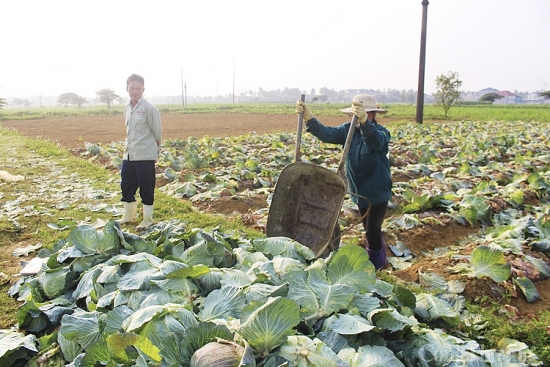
(135, 90)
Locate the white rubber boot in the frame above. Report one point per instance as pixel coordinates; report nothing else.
(147, 217)
(130, 212)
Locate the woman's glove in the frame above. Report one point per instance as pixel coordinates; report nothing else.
(302, 108)
(358, 110)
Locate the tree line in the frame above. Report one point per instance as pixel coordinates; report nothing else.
(107, 96)
(447, 94)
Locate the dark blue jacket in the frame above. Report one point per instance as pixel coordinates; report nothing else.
(367, 164)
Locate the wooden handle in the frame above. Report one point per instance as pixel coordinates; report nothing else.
(347, 145)
(299, 131)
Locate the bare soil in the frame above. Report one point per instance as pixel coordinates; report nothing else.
(71, 133)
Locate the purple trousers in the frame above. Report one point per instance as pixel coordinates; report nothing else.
(372, 224)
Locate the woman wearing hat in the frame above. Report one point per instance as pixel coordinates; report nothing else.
(367, 166)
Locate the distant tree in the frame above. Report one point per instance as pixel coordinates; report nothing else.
(447, 93)
(107, 96)
(312, 91)
(2, 103)
(66, 98)
(545, 94)
(392, 95)
(74, 99)
(330, 93)
(79, 101)
(490, 97)
(21, 102)
(410, 96)
(289, 94)
(261, 92)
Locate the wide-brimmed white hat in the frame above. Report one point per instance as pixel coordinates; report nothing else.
(368, 101)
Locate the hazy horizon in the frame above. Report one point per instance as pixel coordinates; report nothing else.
(177, 99)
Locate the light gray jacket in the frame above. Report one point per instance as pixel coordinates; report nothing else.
(143, 132)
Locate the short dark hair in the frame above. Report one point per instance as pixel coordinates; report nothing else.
(136, 77)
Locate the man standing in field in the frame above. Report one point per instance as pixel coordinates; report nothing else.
(143, 141)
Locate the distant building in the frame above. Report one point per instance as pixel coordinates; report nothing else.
(508, 98)
(533, 98)
(349, 93)
(487, 91)
(475, 96)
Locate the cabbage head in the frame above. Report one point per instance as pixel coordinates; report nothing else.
(223, 354)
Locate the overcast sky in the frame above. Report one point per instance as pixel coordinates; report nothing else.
(53, 47)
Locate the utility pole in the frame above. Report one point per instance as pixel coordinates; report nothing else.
(182, 88)
(422, 68)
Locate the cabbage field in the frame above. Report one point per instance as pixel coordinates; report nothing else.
(181, 296)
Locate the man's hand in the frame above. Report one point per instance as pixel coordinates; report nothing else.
(358, 110)
(301, 107)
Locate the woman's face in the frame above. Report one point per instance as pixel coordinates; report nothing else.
(371, 115)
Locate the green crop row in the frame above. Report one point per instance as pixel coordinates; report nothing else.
(480, 112)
